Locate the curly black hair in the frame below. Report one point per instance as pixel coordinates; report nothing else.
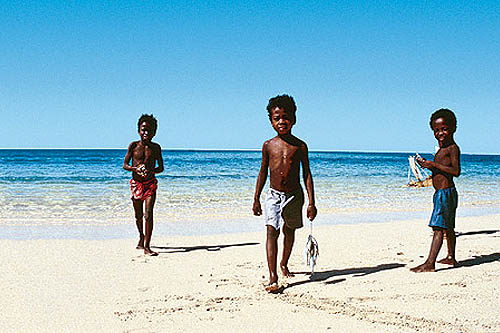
(447, 114)
(282, 101)
(150, 120)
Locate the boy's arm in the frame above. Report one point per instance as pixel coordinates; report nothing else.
(128, 157)
(454, 169)
(159, 159)
(308, 181)
(261, 180)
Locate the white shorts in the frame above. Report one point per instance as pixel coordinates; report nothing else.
(284, 208)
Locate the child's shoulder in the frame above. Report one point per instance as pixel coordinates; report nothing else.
(269, 143)
(156, 145)
(299, 142)
(133, 144)
(271, 140)
(453, 148)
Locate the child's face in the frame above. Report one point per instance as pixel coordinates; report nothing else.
(146, 132)
(281, 121)
(442, 131)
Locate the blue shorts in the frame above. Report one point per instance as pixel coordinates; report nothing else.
(445, 207)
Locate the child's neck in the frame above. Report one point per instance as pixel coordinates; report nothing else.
(286, 136)
(446, 143)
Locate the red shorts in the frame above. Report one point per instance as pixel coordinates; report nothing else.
(142, 190)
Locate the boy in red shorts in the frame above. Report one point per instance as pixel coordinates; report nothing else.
(146, 162)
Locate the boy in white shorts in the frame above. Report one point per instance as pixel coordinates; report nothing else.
(282, 157)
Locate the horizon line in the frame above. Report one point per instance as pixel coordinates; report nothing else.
(251, 150)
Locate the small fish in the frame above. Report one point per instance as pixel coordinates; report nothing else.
(311, 252)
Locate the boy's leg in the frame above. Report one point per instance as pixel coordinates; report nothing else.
(288, 239)
(437, 242)
(149, 202)
(451, 241)
(272, 253)
(139, 222)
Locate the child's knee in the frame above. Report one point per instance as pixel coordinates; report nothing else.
(272, 233)
(290, 232)
(148, 215)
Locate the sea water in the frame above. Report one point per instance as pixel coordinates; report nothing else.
(86, 193)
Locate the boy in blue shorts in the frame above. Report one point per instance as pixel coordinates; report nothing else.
(282, 156)
(445, 166)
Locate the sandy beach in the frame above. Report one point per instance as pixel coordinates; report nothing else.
(215, 283)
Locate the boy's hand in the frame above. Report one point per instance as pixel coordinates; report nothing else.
(424, 163)
(311, 212)
(257, 210)
(141, 170)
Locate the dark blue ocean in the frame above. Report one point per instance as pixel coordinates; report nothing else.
(85, 193)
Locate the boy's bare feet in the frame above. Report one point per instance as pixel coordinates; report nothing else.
(272, 287)
(423, 268)
(285, 271)
(448, 261)
(149, 252)
(139, 247)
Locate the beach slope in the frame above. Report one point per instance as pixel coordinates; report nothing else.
(215, 283)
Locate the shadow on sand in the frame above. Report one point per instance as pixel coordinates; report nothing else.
(480, 232)
(182, 249)
(476, 260)
(361, 271)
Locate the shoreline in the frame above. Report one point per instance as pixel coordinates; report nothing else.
(126, 230)
(215, 282)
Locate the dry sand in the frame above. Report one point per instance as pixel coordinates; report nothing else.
(215, 283)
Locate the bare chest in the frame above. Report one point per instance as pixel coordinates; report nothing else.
(443, 157)
(142, 154)
(284, 157)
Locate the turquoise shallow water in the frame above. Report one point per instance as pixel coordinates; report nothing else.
(86, 192)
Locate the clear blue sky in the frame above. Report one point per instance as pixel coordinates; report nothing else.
(365, 75)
